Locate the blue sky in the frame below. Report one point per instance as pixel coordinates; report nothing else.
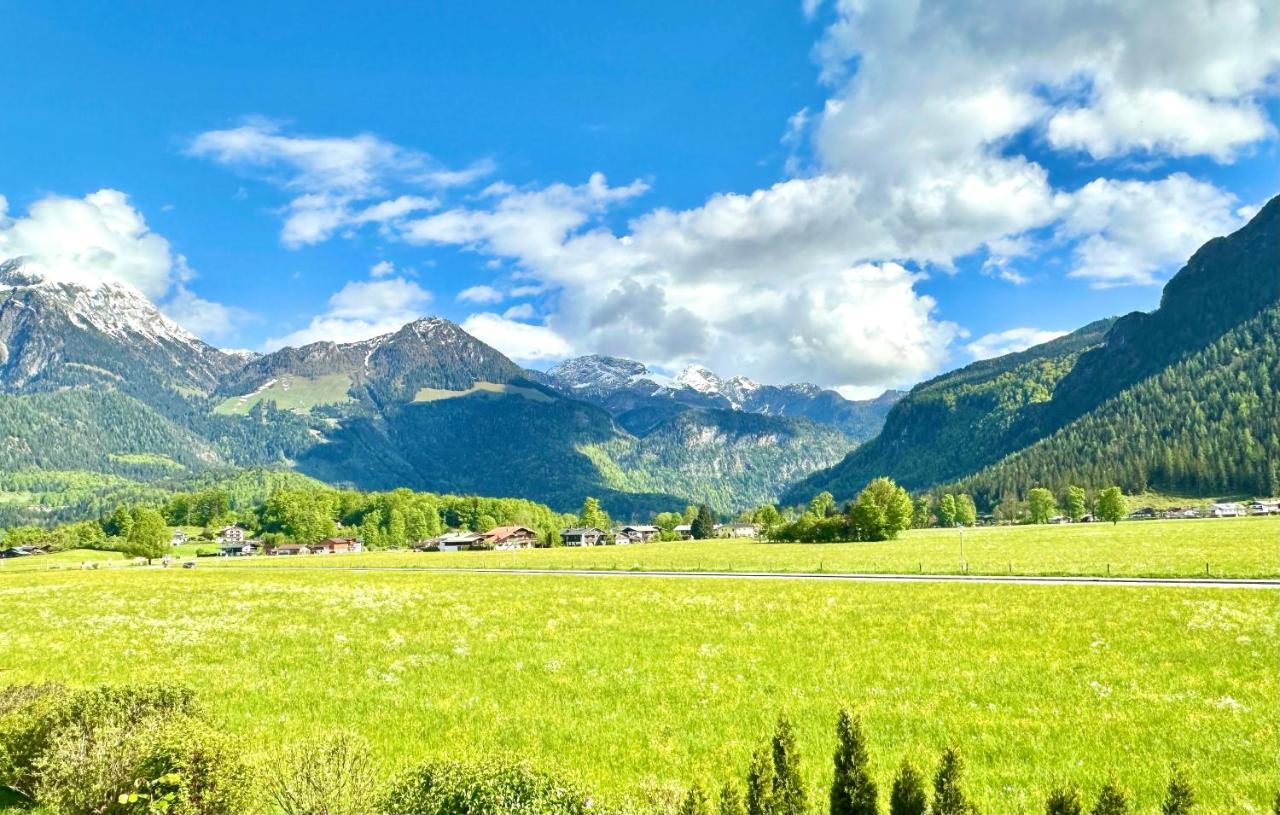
(855, 194)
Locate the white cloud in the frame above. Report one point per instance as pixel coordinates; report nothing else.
(522, 342)
(1136, 232)
(1007, 342)
(523, 311)
(338, 183)
(92, 239)
(103, 238)
(481, 294)
(383, 268)
(360, 310)
(212, 322)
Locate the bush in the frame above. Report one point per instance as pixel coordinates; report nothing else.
(115, 750)
(1064, 801)
(907, 796)
(488, 788)
(336, 775)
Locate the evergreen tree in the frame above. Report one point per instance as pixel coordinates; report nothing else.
(1179, 798)
(731, 802)
(120, 522)
(1040, 502)
(788, 786)
(907, 796)
(760, 783)
(1111, 505)
(695, 801)
(1064, 801)
(948, 796)
(852, 790)
(1111, 800)
(1074, 501)
(704, 525)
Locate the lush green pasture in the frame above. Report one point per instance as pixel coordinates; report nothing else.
(1233, 547)
(635, 686)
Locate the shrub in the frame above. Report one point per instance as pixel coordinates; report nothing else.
(852, 790)
(731, 802)
(695, 801)
(1064, 800)
(488, 788)
(1179, 798)
(788, 785)
(907, 796)
(760, 783)
(1111, 800)
(335, 775)
(117, 749)
(948, 796)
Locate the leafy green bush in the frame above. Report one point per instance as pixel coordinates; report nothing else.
(337, 775)
(116, 750)
(487, 788)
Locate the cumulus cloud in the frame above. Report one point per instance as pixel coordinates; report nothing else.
(523, 342)
(481, 294)
(206, 319)
(914, 162)
(1007, 342)
(103, 238)
(339, 183)
(1136, 232)
(360, 310)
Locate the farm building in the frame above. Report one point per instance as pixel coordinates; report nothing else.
(1230, 510)
(291, 549)
(21, 551)
(582, 536)
(177, 538)
(640, 534)
(510, 537)
(452, 541)
(685, 531)
(240, 548)
(739, 530)
(330, 546)
(231, 534)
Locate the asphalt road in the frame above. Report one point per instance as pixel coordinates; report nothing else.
(1174, 582)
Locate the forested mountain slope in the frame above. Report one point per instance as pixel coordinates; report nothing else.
(1208, 424)
(969, 420)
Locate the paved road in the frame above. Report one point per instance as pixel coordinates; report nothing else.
(1194, 583)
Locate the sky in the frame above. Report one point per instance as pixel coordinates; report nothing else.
(855, 193)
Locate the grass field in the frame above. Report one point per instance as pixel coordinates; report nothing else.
(484, 389)
(635, 687)
(297, 393)
(1233, 547)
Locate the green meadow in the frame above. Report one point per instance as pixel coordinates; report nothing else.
(1232, 547)
(635, 687)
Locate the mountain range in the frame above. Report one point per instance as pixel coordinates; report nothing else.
(428, 407)
(94, 379)
(1183, 398)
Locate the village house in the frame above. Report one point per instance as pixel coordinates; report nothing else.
(22, 551)
(685, 531)
(1264, 508)
(332, 546)
(739, 530)
(177, 538)
(510, 537)
(231, 534)
(451, 541)
(640, 534)
(1230, 510)
(240, 548)
(291, 549)
(581, 536)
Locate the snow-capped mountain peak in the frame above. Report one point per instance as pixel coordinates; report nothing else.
(700, 379)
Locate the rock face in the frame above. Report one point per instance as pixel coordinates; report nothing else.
(636, 395)
(56, 333)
